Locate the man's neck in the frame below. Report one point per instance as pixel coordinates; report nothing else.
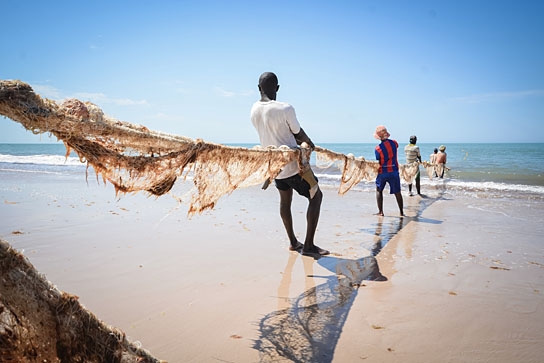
(267, 98)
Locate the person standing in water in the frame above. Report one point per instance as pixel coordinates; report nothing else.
(412, 155)
(432, 160)
(441, 159)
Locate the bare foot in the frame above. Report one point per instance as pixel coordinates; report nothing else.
(379, 214)
(297, 247)
(315, 251)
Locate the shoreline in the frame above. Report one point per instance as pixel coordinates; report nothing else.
(463, 277)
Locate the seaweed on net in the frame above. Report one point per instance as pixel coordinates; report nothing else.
(355, 169)
(134, 158)
(39, 323)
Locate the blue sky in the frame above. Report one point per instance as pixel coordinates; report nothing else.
(447, 71)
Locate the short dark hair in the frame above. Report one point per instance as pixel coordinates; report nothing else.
(268, 80)
(413, 139)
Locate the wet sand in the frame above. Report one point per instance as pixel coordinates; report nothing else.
(457, 280)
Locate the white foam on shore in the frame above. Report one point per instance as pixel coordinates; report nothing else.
(467, 186)
(40, 159)
(327, 179)
(504, 187)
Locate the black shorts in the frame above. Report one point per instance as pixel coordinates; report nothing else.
(297, 183)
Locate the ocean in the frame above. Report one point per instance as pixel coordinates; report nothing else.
(487, 170)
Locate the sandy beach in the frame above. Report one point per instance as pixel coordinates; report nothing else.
(458, 280)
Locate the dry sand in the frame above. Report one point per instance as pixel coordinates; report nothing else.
(457, 280)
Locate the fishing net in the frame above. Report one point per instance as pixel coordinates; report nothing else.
(134, 158)
(355, 169)
(39, 323)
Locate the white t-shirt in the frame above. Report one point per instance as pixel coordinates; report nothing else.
(276, 124)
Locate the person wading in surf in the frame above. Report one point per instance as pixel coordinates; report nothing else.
(412, 155)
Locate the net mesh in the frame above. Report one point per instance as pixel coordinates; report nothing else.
(134, 158)
(355, 169)
(39, 323)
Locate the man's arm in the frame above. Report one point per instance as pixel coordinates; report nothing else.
(302, 137)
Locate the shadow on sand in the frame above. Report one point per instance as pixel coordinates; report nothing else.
(309, 327)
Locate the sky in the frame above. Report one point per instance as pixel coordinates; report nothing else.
(446, 71)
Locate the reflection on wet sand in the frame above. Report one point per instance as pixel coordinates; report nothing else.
(283, 290)
(307, 328)
(381, 237)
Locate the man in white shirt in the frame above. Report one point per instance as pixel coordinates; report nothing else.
(277, 125)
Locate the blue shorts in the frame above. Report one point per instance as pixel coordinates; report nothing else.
(297, 183)
(392, 178)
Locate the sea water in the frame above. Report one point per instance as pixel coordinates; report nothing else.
(480, 170)
(496, 169)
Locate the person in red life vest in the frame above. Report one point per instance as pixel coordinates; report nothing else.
(386, 154)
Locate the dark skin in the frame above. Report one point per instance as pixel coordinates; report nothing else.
(379, 199)
(268, 87)
(418, 177)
